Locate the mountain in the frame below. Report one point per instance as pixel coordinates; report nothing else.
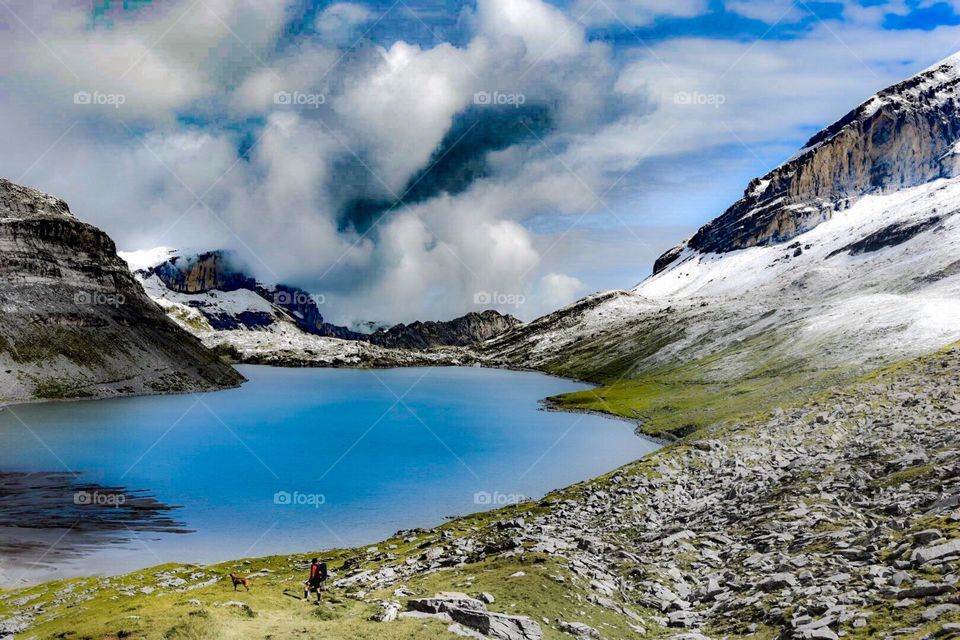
(214, 288)
(212, 295)
(902, 137)
(464, 331)
(75, 321)
(844, 258)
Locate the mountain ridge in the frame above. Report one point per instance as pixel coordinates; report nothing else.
(900, 137)
(76, 322)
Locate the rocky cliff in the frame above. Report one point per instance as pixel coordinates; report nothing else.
(904, 136)
(222, 271)
(460, 332)
(75, 321)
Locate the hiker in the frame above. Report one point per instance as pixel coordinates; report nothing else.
(318, 574)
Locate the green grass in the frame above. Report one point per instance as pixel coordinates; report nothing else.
(273, 607)
(681, 399)
(59, 389)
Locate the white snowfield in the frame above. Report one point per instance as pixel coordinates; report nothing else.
(147, 258)
(183, 307)
(826, 305)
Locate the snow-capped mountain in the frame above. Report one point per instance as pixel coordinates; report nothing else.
(902, 137)
(847, 254)
(212, 295)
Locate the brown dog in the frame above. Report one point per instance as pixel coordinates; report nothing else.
(237, 581)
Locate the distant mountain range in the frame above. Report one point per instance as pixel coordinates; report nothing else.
(212, 295)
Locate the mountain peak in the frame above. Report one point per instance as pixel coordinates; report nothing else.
(18, 201)
(903, 136)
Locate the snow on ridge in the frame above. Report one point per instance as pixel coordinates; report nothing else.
(695, 274)
(143, 259)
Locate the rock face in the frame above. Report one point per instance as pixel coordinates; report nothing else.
(75, 321)
(460, 332)
(222, 271)
(902, 137)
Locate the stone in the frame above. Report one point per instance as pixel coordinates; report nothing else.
(927, 536)
(778, 581)
(443, 602)
(498, 625)
(389, 610)
(936, 611)
(579, 629)
(929, 554)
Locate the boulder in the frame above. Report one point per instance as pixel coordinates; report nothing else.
(579, 629)
(498, 625)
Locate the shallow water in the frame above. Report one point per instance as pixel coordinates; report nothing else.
(294, 460)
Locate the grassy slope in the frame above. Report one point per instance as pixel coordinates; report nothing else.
(103, 608)
(677, 400)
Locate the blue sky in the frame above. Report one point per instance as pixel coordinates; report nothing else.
(605, 131)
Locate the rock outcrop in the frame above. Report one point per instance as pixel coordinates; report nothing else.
(464, 331)
(76, 323)
(222, 271)
(902, 137)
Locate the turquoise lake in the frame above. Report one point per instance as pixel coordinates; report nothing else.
(295, 460)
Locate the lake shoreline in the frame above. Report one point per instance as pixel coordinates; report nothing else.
(461, 375)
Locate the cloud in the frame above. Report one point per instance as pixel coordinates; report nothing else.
(338, 23)
(400, 178)
(557, 290)
(631, 13)
(769, 11)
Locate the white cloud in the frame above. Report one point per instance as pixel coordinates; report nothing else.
(770, 11)
(632, 13)
(544, 32)
(558, 290)
(338, 23)
(403, 107)
(538, 222)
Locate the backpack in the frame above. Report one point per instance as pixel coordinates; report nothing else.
(323, 571)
